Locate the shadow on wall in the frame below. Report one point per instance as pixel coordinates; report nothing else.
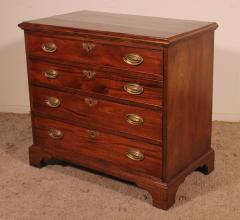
(226, 89)
(13, 84)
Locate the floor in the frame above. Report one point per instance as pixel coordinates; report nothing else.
(64, 192)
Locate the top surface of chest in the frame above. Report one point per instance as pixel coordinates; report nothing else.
(135, 26)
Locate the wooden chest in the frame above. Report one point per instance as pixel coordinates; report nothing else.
(129, 96)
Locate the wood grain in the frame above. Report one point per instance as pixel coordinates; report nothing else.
(105, 148)
(110, 84)
(72, 51)
(176, 105)
(122, 26)
(189, 102)
(104, 114)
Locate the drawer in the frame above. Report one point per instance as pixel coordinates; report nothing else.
(98, 112)
(90, 80)
(92, 145)
(89, 52)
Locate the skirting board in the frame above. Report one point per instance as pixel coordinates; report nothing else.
(26, 109)
(226, 117)
(14, 109)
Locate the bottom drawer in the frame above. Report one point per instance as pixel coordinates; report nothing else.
(76, 142)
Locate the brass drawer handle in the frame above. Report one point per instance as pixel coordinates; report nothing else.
(88, 46)
(133, 59)
(53, 102)
(133, 88)
(89, 74)
(134, 119)
(51, 74)
(55, 133)
(92, 134)
(90, 102)
(134, 154)
(49, 47)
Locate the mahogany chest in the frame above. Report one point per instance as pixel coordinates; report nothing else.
(129, 96)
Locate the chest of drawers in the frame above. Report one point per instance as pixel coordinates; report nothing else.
(129, 96)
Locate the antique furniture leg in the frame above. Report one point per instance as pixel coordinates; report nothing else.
(164, 194)
(37, 157)
(207, 167)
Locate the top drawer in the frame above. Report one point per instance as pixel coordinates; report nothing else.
(89, 52)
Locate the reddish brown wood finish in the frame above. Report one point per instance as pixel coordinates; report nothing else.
(104, 114)
(163, 193)
(104, 148)
(189, 102)
(110, 84)
(176, 105)
(120, 27)
(72, 51)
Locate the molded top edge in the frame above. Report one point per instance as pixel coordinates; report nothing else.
(155, 29)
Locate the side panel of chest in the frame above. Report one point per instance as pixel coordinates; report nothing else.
(188, 102)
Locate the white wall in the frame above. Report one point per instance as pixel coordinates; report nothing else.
(13, 77)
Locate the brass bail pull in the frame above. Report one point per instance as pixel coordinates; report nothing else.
(49, 47)
(133, 88)
(55, 133)
(50, 74)
(53, 102)
(134, 154)
(134, 119)
(133, 59)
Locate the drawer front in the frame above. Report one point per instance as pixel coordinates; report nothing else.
(90, 80)
(76, 143)
(99, 113)
(78, 51)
